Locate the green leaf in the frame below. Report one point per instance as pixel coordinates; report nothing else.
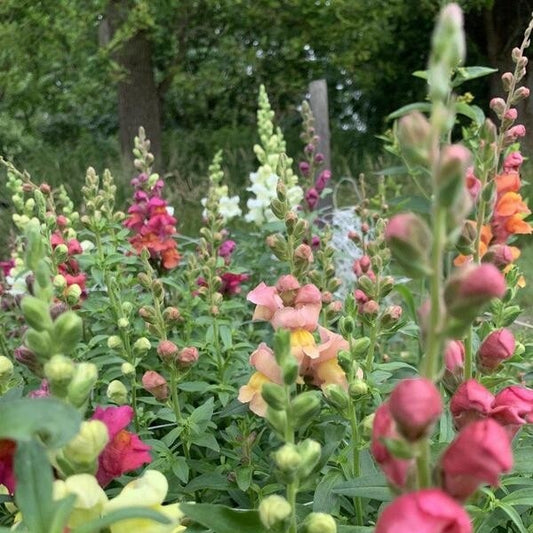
(471, 73)
(393, 171)
(325, 501)
(211, 480)
(52, 420)
(519, 497)
(34, 486)
(514, 516)
(243, 477)
(181, 469)
(95, 526)
(373, 486)
(422, 74)
(522, 460)
(206, 440)
(416, 106)
(202, 415)
(223, 519)
(473, 112)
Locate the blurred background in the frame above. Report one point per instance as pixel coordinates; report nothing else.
(77, 78)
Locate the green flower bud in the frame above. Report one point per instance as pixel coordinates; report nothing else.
(346, 325)
(117, 392)
(141, 346)
(320, 523)
(277, 419)
(309, 451)
(288, 461)
(60, 253)
(60, 283)
(39, 342)
(414, 135)
(87, 445)
(123, 323)
(274, 396)
(360, 347)
(367, 424)
(278, 245)
(73, 294)
(274, 511)
(127, 369)
(127, 307)
(114, 342)
(6, 369)
(36, 313)
(337, 396)
(358, 388)
(305, 406)
(67, 331)
(82, 383)
(59, 371)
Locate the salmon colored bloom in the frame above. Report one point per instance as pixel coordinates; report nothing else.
(507, 182)
(287, 305)
(124, 451)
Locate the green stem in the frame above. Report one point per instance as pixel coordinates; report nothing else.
(292, 489)
(176, 407)
(369, 363)
(424, 465)
(468, 365)
(434, 334)
(358, 504)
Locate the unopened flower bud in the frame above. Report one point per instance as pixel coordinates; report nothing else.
(60, 253)
(454, 361)
(357, 388)
(171, 315)
(470, 288)
(188, 356)
(114, 342)
(141, 346)
(155, 384)
(507, 80)
(520, 94)
(6, 369)
(319, 523)
(123, 323)
(117, 392)
(82, 383)
(73, 294)
(305, 406)
(274, 511)
(303, 253)
(409, 240)
(498, 106)
(370, 308)
(415, 405)
(391, 315)
(496, 348)
(127, 369)
(167, 351)
(60, 283)
(144, 280)
(87, 445)
(454, 161)
(336, 396)
(288, 460)
(414, 132)
(500, 255)
(59, 371)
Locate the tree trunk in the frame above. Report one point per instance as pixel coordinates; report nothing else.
(138, 99)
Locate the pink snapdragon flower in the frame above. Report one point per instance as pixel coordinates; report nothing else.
(396, 470)
(7, 456)
(124, 451)
(424, 511)
(287, 305)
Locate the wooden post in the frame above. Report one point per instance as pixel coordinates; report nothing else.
(318, 100)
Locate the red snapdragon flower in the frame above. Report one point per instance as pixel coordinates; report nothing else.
(152, 223)
(124, 451)
(7, 455)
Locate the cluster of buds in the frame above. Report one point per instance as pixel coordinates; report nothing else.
(270, 154)
(291, 248)
(311, 168)
(99, 200)
(149, 217)
(485, 423)
(215, 249)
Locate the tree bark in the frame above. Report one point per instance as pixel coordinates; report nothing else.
(138, 98)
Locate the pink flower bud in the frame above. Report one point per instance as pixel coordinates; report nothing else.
(512, 134)
(365, 263)
(500, 255)
(513, 162)
(304, 253)
(496, 348)
(512, 408)
(61, 221)
(498, 106)
(322, 180)
(470, 288)
(414, 132)
(409, 240)
(167, 351)
(511, 115)
(424, 511)
(319, 157)
(226, 249)
(473, 185)
(312, 198)
(370, 308)
(453, 164)
(155, 384)
(304, 168)
(365, 228)
(188, 356)
(479, 454)
(287, 283)
(396, 470)
(471, 401)
(360, 296)
(415, 405)
(521, 93)
(516, 54)
(507, 79)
